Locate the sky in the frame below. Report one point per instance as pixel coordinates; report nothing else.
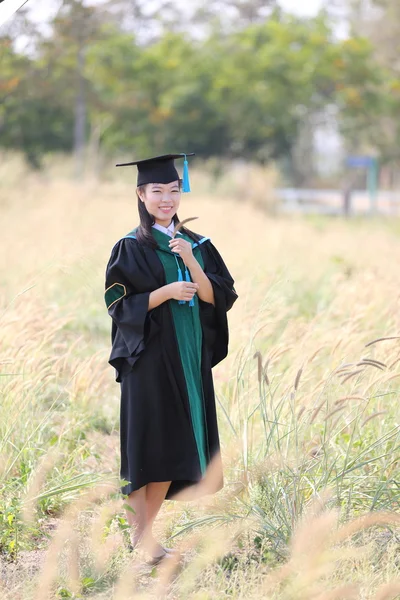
(302, 7)
(41, 7)
(7, 8)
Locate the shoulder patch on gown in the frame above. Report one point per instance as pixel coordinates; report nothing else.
(115, 292)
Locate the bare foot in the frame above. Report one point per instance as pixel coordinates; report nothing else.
(153, 547)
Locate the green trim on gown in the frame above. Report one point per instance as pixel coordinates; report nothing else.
(189, 335)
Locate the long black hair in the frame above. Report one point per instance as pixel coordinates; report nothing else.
(144, 234)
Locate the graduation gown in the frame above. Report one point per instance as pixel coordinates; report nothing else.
(157, 428)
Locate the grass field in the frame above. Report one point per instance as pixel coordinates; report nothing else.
(308, 406)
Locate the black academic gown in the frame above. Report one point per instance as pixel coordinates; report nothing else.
(156, 435)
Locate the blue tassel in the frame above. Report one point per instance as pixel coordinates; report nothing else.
(187, 276)
(185, 180)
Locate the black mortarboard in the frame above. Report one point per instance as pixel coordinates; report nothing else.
(161, 169)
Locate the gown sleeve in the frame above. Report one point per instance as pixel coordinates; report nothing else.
(127, 299)
(214, 318)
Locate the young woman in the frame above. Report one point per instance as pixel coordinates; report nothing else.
(168, 297)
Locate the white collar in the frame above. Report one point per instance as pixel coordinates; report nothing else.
(167, 230)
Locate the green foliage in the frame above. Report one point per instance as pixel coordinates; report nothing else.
(236, 93)
(378, 123)
(11, 526)
(32, 117)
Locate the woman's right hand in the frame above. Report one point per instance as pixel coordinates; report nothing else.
(182, 290)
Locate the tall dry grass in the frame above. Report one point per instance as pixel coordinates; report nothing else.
(307, 400)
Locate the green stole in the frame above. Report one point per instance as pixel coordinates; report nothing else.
(189, 337)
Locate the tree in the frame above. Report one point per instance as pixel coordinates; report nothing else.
(75, 26)
(31, 117)
(235, 14)
(379, 21)
(254, 92)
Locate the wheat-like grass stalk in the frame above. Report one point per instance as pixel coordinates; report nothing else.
(373, 416)
(333, 412)
(181, 224)
(278, 452)
(350, 375)
(347, 398)
(382, 339)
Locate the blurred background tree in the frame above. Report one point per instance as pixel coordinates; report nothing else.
(379, 22)
(228, 79)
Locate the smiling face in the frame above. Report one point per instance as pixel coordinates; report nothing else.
(161, 200)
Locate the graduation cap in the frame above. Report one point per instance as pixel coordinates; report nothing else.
(161, 169)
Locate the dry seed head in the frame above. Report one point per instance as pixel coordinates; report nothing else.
(336, 346)
(316, 411)
(166, 572)
(349, 591)
(346, 398)
(211, 482)
(313, 448)
(128, 581)
(391, 377)
(370, 363)
(278, 353)
(353, 374)
(394, 363)
(320, 384)
(315, 452)
(258, 356)
(318, 503)
(311, 536)
(303, 408)
(333, 412)
(382, 339)
(317, 352)
(297, 380)
(38, 476)
(211, 548)
(335, 422)
(275, 578)
(103, 549)
(343, 368)
(373, 360)
(182, 224)
(364, 522)
(49, 572)
(258, 331)
(376, 414)
(73, 561)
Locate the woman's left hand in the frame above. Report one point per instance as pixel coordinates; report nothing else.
(183, 248)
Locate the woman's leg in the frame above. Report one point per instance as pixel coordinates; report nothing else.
(155, 495)
(137, 520)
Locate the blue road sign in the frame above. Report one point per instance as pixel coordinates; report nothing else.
(371, 164)
(360, 161)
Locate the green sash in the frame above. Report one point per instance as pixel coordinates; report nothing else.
(188, 330)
